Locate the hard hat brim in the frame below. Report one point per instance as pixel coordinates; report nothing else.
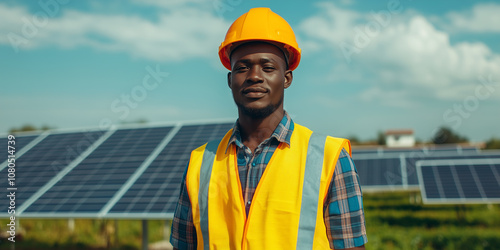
(292, 55)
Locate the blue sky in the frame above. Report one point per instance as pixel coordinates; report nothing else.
(367, 66)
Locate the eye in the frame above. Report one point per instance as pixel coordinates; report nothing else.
(240, 68)
(269, 68)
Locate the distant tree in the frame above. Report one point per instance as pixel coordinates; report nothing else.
(29, 127)
(493, 143)
(446, 135)
(380, 138)
(354, 139)
(418, 141)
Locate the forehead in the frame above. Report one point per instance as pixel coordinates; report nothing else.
(260, 49)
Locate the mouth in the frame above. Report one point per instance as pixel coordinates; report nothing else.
(254, 92)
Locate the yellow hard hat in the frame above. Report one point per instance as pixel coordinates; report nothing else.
(261, 24)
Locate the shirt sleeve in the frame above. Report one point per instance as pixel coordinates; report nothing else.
(343, 210)
(183, 233)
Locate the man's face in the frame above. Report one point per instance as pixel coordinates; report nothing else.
(258, 78)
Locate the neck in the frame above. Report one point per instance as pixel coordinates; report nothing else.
(255, 131)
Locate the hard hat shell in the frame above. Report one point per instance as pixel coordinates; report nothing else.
(261, 24)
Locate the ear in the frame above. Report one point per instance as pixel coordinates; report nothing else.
(288, 78)
(229, 79)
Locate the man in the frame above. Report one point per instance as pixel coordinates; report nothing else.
(269, 183)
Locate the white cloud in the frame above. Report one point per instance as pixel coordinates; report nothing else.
(482, 18)
(331, 26)
(184, 33)
(393, 98)
(408, 57)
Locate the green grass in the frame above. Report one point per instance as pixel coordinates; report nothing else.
(393, 222)
(87, 234)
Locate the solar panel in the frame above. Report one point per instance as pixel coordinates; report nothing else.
(44, 161)
(20, 142)
(460, 181)
(379, 173)
(89, 186)
(413, 158)
(397, 171)
(395, 152)
(156, 191)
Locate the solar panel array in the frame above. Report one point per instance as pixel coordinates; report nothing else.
(126, 172)
(379, 173)
(92, 183)
(43, 162)
(156, 191)
(460, 181)
(389, 169)
(381, 151)
(135, 172)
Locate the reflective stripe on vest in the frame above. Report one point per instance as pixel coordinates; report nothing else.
(310, 188)
(206, 173)
(289, 195)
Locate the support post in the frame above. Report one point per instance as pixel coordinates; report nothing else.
(71, 225)
(116, 233)
(166, 230)
(144, 235)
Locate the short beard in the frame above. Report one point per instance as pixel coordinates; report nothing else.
(259, 113)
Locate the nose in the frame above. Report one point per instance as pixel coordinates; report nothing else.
(254, 75)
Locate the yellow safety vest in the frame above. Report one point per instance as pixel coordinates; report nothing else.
(287, 207)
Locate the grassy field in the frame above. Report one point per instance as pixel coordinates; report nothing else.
(395, 220)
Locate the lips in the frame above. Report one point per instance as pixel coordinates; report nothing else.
(254, 92)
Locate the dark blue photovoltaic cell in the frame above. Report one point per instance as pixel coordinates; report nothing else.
(91, 184)
(4, 154)
(157, 189)
(490, 185)
(20, 142)
(44, 161)
(465, 181)
(430, 182)
(379, 172)
(448, 184)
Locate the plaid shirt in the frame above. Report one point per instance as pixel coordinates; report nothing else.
(343, 210)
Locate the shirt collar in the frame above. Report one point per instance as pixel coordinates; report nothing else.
(282, 133)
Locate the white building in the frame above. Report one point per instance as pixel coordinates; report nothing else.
(399, 138)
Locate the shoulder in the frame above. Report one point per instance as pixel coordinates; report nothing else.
(299, 128)
(215, 142)
(323, 140)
